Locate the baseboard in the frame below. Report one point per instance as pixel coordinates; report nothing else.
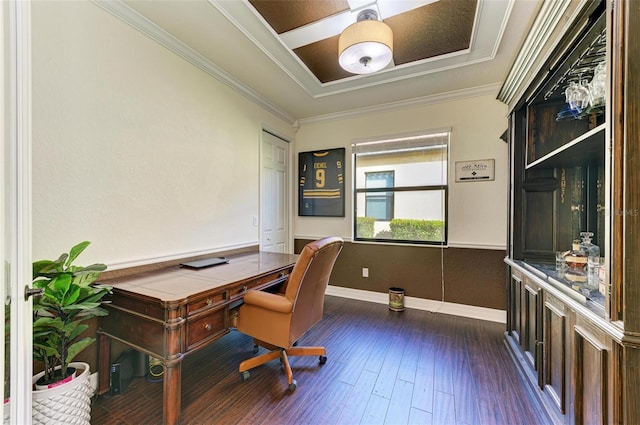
(463, 310)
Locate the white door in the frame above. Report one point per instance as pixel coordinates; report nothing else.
(15, 207)
(274, 194)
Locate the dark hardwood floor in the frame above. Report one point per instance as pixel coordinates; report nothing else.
(383, 367)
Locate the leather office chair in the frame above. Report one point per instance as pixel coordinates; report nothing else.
(277, 321)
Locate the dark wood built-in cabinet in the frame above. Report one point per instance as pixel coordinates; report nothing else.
(570, 172)
(560, 158)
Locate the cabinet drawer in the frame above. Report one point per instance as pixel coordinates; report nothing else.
(205, 302)
(264, 281)
(205, 328)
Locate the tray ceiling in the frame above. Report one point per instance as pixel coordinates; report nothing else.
(284, 52)
(421, 29)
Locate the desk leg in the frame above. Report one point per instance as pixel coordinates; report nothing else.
(172, 392)
(104, 360)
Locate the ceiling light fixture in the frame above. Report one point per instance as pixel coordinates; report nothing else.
(367, 45)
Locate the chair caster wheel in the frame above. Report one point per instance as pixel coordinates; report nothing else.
(255, 349)
(245, 375)
(322, 359)
(292, 386)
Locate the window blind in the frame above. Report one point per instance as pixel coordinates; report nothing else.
(416, 140)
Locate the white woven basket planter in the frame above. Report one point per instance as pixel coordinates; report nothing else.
(68, 404)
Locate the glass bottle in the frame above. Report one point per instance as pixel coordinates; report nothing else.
(593, 259)
(577, 257)
(590, 249)
(576, 264)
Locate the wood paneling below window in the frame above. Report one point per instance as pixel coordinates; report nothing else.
(474, 277)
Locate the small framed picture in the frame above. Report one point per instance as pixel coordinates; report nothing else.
(474, 171)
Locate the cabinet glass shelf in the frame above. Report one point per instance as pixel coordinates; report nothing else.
(593, 299)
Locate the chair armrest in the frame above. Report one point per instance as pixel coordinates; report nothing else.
(268, 301)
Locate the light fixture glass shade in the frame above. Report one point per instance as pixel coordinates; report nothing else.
(365, 47)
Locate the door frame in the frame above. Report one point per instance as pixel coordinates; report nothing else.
(289, 193)
(16, 199)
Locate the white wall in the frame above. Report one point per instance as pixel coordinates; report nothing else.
(477, 210)
(135, 149)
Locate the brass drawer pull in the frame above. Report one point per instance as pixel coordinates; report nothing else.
(207, 326)
(244, 288)
(208, 301)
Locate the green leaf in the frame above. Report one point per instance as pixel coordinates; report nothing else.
(57, 289)
(61, 259)
(40, 283)
(71, 295)
(75, 251)
(94, 294)
(93, 268)
(74, 329)
(77, 347)
(77, 331)
(83, 306)
(48, 322)
(84, 279)
(46, 350)
(43, 266)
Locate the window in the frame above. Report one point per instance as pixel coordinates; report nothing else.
(379, 204)
(401, 188)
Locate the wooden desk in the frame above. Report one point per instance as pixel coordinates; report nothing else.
(172, 312)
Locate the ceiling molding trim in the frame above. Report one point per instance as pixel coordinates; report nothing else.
(489, 27)
(547, 19)
(263, 34)
(486, 36)
(503, 28)
(489, 89)
(160, 36)
(341, 88)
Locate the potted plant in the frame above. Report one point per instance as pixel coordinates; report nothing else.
(68, 299)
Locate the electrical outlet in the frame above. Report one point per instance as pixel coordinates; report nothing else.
(255, 221)
(365, 272)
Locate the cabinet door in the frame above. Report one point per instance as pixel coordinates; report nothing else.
(555, 352)
(531, 338)
(540, 191)
(514, 322)
(591, 375)
(555, 210)
(524, 323)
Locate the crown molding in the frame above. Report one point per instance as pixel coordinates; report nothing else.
(546, 21)
(489, 89)
(132, 18)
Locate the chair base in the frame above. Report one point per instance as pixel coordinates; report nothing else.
(284, 354)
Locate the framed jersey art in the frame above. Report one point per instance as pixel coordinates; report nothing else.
(321, 176)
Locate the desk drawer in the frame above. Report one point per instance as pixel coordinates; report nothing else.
(206, 302)
(263, 282)
(205, 328)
